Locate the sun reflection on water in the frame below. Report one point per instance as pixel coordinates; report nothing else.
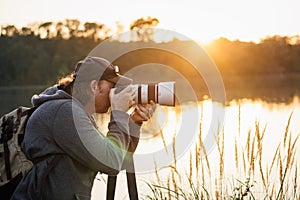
(243, 119)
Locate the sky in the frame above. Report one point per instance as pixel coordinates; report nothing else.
(204, 20)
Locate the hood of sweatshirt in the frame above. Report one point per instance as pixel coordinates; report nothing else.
(50, 93)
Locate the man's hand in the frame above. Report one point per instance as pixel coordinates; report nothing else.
(123, 100)
(143, 112)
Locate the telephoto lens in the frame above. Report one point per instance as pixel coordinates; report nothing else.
(162, 93)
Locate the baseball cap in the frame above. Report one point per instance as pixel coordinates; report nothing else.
(96, 68)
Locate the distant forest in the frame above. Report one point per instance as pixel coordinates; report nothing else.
(40, 54)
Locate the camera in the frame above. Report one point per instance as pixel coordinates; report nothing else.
(162, 93)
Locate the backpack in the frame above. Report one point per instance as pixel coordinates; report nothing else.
(13, 162)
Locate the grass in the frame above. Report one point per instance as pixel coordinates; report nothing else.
(254, 177)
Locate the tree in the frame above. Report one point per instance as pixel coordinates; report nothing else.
(73, 27)
(60, 27)
(9, 31)
(90, 29)
(96, 31)
(142, 29)
(26, 31)
(44, 30)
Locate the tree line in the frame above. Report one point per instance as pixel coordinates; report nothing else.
(40, 54)
(73, 28)
(274, 54)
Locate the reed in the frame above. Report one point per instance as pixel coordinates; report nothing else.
(169, 186)
(248, 142)
(191, 166)
(197, 163)
(295, 183)
(236, 154)
(163, 140)
(274, 158)
(207, 161)
(203, 177)
(252, 158)
(277, 179)
(174, 149)
(287, 129)
(244, 162)
(220, 145)
(156, 173)
(239, 118)
(175, 186)
(259, 138)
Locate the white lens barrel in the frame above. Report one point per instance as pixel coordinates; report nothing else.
(166, 93)
(144, 94)
(162, 93)
(136, 91)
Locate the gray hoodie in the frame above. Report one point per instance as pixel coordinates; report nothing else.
(69, 149)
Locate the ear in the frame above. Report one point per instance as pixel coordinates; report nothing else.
(94, 86)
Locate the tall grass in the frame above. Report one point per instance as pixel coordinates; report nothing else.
(255, 177)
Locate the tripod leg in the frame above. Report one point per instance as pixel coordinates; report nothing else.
(131, 184)
(111, 187)
(131, 179)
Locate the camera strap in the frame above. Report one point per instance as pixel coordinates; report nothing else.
(131, 182)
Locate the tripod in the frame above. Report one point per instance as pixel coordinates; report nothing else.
(131, 182)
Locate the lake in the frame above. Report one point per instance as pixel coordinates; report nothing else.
(256, 146)
(223, 150)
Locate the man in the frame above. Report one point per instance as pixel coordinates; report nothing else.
(62, 137)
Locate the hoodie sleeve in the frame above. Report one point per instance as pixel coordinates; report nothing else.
(75, 134)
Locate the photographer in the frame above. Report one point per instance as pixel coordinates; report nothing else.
(62, 138)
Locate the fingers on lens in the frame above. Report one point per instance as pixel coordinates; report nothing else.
(145, 112)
